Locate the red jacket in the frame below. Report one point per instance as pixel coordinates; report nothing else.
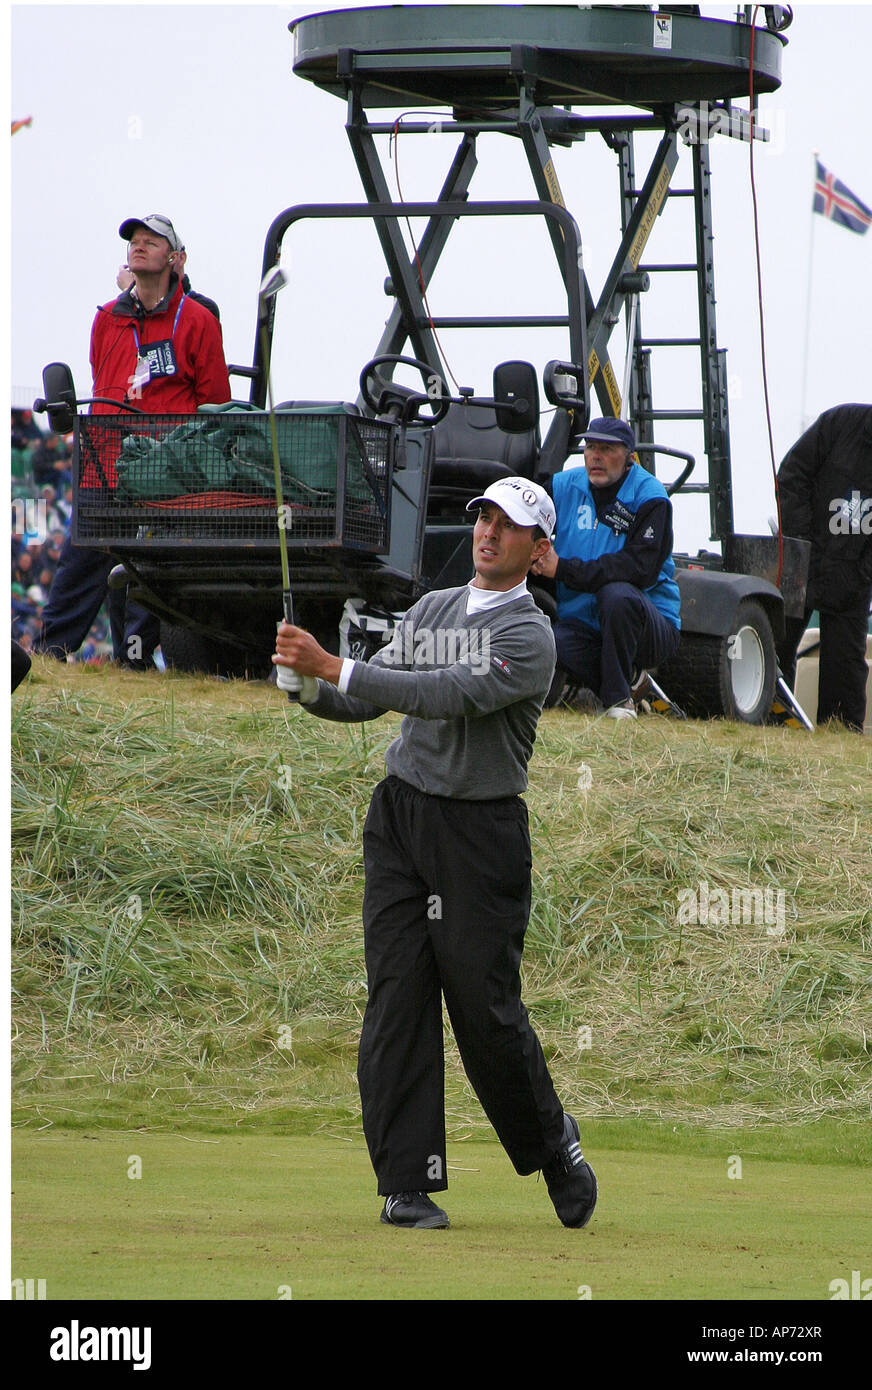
(200, 377)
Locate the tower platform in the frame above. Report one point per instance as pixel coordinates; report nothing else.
(473, 58)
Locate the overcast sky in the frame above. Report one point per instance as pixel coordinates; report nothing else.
(194, 111)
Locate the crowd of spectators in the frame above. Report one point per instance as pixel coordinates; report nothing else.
(41, 510)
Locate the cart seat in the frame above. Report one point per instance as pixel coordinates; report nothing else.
(316, 406)
(471, 451)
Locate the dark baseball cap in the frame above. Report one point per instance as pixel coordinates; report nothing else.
(156, 222)
(611, 431)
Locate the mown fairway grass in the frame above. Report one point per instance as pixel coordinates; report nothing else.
(268, 1218)
(187, 963)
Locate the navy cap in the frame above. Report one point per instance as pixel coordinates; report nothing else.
(611, 431)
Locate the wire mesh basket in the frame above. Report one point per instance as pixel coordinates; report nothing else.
(172, 480)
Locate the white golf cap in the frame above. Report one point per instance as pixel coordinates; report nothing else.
(526, 503)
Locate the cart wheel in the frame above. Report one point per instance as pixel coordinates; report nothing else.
(730, 677)
(544, 601)
(186, 650)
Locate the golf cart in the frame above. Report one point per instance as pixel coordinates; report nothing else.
(375, 489)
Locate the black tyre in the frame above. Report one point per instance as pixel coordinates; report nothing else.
(544, 600)
(730, 677)
(547, 604)
(558, 686)
(186, 650)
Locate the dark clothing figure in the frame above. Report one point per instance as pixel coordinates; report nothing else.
(50, 462)
(79, 589)
(20, 664)
(203, 299)
(825, 490)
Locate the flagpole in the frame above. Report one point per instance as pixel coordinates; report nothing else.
(808, 299)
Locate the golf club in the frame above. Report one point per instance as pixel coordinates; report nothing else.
(273, 281)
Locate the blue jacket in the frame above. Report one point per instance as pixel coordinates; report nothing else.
(582, 535)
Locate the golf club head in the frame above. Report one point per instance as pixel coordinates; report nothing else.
(274, 280)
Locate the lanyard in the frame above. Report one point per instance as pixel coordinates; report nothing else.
(175, 324)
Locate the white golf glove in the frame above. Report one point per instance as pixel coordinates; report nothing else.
(305, 687)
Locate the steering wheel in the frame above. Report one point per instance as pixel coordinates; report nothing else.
(390, 393)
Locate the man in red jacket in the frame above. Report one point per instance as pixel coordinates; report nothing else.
(156, 348)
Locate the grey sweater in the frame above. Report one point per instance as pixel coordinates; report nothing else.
(472, 689)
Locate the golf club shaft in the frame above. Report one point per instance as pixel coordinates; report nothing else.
(286, 678)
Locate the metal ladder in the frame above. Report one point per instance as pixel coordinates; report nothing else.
(713, 415)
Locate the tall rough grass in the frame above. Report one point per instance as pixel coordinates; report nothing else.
(186, 887)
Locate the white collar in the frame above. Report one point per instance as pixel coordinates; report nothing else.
(480, 599)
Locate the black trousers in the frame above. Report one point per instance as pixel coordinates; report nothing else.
(20, 664)
(79, 588)
(633, 635)
(842, 668)
(445, 911)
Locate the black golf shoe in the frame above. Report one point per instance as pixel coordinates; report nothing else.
(571, 1181)
(413, 1210)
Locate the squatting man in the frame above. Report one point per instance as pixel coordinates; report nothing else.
(618, 605)
(447, 862)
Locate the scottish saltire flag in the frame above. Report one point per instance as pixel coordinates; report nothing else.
(833, 200)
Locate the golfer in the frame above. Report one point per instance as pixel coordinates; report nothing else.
(447, 861)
